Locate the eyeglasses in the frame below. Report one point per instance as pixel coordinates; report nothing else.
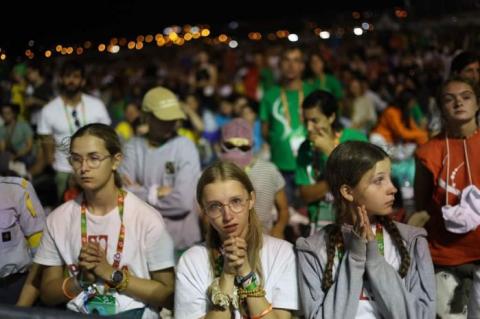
(93, 160)
(75, 119)
(216, 209)
(243, 148)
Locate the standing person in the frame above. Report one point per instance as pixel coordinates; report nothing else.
(162, 168)
(21, 225)
(237, 146)
(115, 247)
(38, 92)
(324, 133)
(321, 79)
(281, 116)
(65, 114)
(238, 270)
(365, 265)
(446, 166)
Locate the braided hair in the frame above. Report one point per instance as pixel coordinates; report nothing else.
(346, 165)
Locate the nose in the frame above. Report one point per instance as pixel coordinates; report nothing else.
(84, 165)
(392, 189)
(310, 126)
(227, 213)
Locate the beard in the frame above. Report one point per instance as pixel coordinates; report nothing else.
(70, 90)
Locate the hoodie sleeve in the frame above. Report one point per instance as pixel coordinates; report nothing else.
(341, 299)
(414, 298)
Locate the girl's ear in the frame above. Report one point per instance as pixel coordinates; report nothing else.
(331, 118)
(252, 200)
(346, 192)
(117, 159)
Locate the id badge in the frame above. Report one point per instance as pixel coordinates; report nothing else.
(103, 305)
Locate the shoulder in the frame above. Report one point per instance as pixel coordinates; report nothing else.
(16, 183)
(63, 214)
(351, 134)
(272, 93)
(432, 147)
(195, 256)
(263, 165)
(56, 103)
(141, 210)
(91, 100)
(313, 243)
(409, 232)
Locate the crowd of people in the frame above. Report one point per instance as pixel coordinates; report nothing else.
(294, 181)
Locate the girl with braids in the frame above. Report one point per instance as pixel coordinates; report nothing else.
(238, 271)
(365, 265)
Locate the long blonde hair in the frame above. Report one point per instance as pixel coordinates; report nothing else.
(225, 171)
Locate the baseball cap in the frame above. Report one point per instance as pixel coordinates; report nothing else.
(163, 104)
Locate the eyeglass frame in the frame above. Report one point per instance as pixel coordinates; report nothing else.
(222, 209)
(87, 159)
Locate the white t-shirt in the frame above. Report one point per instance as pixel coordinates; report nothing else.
(148, 246)
(56, 119)
(193, 277)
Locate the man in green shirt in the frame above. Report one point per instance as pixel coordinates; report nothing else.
(280, 113)
(319, 113)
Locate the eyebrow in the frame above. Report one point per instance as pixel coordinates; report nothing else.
(461, 93)
(90, 153)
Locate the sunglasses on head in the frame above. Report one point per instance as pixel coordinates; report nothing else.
(243, 148)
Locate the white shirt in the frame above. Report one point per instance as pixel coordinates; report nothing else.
(193, 277)
(56, 119)
(148, 246)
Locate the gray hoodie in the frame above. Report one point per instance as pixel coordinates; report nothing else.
(412, 297)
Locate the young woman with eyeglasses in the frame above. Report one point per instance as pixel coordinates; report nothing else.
(105, 252)
(238, 271)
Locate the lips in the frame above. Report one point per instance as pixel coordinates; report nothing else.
(230, 228)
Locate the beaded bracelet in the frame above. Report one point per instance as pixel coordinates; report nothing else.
(257, 292)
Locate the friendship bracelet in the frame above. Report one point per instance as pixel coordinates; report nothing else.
(263, 313)
(64, 289)
(240, 281)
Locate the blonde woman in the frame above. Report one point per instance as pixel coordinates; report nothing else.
(238, 271)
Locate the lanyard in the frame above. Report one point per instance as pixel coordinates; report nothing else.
(286, 108)
(121, 234)
(69, 117)
(378, 238)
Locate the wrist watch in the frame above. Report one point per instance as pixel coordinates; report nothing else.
(117, 277)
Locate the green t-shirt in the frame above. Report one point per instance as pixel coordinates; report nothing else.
(311, 168)
(417, 113)
(284, 139)
(329, 84)
(18, 138)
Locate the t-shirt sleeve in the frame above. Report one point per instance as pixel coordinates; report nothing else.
(285, 294)
(102, 114)
(159, 243)
(191, 285)
(44, 127)
(48, 253)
